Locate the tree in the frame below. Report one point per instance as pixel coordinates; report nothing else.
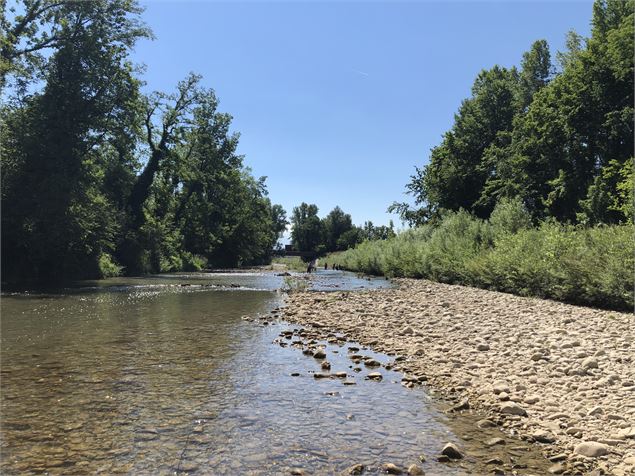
(536, 71)
(307, 233)
(336, 223)
(543, 138)
(456, 174)
(57, 221)
(580, 122)
(38, 26)
(279, 222)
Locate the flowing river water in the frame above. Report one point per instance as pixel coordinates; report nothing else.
(163, 375)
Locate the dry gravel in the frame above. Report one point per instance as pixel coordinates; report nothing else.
(557, 374)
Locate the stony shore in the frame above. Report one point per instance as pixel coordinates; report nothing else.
(562, 376)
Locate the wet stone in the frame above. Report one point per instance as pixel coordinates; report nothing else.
(451, 451)
(354, 470)
(390, 468)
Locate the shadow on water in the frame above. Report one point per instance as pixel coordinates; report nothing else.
(161, 375)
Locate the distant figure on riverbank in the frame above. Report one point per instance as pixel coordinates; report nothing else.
(326, 266)
(312, 266)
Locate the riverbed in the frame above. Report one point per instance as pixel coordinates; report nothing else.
(175, 374)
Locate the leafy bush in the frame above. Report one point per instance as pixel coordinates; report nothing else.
(192, 262)
(107, 266)
(592, 266)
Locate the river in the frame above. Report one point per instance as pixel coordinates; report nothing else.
(165, 375)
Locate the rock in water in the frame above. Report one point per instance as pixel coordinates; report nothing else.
(371, 363)
(414, 470)
(319, 354)
(485, 423)
(451, 451)
(356, 470)
(391, 468)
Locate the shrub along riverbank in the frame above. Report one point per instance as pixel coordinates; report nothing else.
(583, 265)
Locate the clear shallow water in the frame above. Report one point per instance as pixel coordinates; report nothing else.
(161, 375)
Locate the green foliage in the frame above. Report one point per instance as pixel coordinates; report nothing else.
(592, 266)
(307, 234)
(336, 224)
(107, 267)
(288, 262)
(556, 142)
(349, 239)
(530, 146)
(509, 216)
(76, 202)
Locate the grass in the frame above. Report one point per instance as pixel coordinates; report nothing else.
(293, 263)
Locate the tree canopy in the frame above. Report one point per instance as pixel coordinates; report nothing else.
(98, 178)
(561, 141)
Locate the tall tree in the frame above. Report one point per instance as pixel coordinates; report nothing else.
(336, 223)
(56, 219)
(307, 234)
(456, 174)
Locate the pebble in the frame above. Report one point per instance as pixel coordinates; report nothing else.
(495, 441)
(591, 449)
(485, 423)
(500, 387)
(590, 363)
(512, 408)
(375, 376)
(543, 436)
(557, 469)
(557, 361)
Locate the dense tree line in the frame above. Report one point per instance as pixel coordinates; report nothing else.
(334, 232)
(98, 178)
(560, 139)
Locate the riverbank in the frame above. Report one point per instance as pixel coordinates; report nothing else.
(560, 375)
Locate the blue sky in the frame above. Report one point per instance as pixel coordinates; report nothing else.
(336, 102)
